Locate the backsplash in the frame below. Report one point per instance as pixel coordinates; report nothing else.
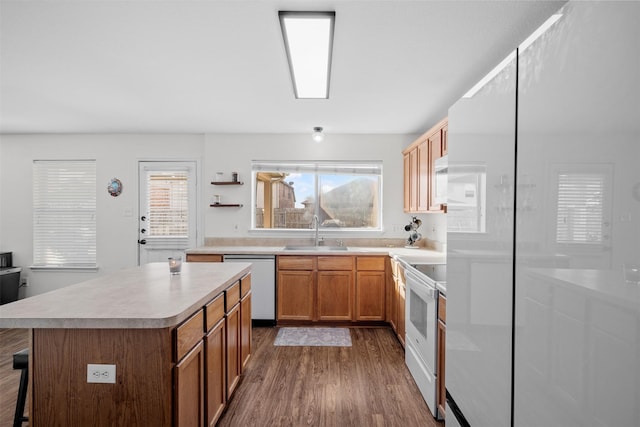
(354, 242)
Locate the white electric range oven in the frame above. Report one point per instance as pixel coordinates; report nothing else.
(421, 328)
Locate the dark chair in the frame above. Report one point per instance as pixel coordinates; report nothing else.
(21, 361)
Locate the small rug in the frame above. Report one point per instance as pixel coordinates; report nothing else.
(320, 337)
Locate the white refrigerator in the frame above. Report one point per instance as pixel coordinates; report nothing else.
(543, 299)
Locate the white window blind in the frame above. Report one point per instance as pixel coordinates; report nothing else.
(168, 206)
(64, 213)
(580, 214)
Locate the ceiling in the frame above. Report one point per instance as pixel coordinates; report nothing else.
(216, 66)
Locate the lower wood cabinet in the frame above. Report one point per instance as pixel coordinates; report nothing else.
(216, 381)
(401, 310)
(211, 349)
(371, 286)
(189, 389)
(335, 295)
(331, 288)
(233, 348)
(245, 322)
(296, 295)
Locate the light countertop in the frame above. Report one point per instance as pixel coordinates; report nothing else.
(141, 297)
(407, 255)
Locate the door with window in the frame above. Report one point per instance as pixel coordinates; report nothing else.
(167, 210)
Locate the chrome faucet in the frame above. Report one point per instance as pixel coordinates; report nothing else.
(316, 223)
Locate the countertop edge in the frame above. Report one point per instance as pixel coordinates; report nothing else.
(10, 317)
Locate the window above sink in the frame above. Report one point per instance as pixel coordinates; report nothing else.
(343, 195)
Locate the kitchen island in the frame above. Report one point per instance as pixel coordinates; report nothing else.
(147, 324)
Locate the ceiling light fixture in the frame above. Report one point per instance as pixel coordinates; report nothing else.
(317, 135)
(523, 46)
(308, 40)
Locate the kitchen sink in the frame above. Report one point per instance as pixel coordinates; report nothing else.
(315, 248)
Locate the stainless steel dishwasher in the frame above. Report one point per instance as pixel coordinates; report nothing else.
(263, 286)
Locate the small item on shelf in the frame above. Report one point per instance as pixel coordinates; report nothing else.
(234, 176)
(219, 176)
(175, 265)
(216, 199)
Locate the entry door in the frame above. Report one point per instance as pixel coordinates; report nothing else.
(167, 210)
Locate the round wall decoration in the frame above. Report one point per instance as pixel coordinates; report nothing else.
(115, 187)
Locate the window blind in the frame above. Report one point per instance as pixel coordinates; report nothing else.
(168, 207)
(64, 213)
(580, 211)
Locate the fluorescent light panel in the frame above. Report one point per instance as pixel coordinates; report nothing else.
(523, 46)
(308, 39)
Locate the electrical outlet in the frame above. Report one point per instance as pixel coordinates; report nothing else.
(101, 373)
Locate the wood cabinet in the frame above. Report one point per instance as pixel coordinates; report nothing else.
(232, 308)
(370, 288)
(166, 374)
(331, 288)
(245, 321)
(215, 360)
(189, 389)
(216, 391)
(396, 304)
(295, 295)
(419, 169)
(392, 293)
(434, 143)
(441, 392)
(400, 305)
(189, 372)
(334, 288)
(204, 258)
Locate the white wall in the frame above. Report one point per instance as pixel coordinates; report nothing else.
(234, 152)
(118, 155)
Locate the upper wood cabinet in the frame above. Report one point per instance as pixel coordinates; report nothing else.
(419, 169)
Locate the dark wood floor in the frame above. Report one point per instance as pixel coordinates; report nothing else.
(11, 340)
(367, 384)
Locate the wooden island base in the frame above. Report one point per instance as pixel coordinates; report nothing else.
(140, 396)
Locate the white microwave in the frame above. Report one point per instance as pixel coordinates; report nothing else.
(440, 175)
